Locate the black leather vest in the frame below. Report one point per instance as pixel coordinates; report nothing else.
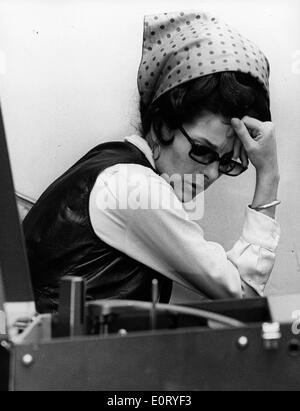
(61, 241)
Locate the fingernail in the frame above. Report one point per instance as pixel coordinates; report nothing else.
(235, 122)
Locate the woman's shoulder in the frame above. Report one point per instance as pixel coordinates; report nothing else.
(131, 173)
(132, 180)
(124, 190)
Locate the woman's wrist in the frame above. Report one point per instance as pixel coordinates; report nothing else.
(266, 191)
(267, 209)
(269, 174)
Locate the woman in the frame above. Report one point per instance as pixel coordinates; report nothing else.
(205, 112)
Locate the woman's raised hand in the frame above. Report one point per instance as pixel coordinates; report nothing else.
(240, 153)
(259, 142)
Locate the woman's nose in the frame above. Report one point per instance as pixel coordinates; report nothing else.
(212, 171)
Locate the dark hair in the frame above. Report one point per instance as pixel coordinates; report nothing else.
(230, 94)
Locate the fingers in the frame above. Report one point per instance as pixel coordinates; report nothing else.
(253, 123)
(240, 153)
(237, 149)
(243, 133)
(244, 158)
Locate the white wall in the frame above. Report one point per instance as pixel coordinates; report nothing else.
(68, 82)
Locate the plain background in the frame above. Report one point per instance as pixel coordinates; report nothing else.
(68, 82)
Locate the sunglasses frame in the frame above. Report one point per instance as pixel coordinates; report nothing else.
(241, 169)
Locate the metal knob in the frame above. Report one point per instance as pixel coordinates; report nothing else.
(243, 343)
(27, 360)
(271, 335)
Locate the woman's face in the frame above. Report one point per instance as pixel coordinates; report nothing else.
(208, 129)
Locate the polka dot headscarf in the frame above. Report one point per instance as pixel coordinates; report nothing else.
(179, 47)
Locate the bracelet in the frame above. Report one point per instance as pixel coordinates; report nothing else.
(266, 206)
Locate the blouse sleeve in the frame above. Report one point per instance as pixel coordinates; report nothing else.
(254, 253)
(160, 235)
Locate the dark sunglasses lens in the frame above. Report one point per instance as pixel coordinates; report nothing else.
(202, 155)
(232, 168)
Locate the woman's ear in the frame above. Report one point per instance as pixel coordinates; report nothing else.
(156, 128)
(163, 132)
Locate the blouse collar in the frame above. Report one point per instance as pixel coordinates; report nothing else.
(143, 146)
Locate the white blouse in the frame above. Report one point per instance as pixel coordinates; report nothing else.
(165, 239)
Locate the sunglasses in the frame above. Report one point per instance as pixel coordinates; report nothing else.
(205, 155)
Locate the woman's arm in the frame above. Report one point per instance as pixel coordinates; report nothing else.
(254, 253)
(164, 238)
(259, 142)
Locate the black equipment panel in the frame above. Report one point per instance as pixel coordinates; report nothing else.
(190, 360)
(4, 367)
(14, 272)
